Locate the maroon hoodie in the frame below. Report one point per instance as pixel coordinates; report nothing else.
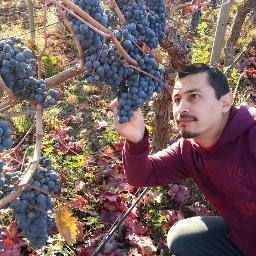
(226, 173)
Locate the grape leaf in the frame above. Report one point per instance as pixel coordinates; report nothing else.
(66, 224)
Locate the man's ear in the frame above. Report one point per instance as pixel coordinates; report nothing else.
(227, 101)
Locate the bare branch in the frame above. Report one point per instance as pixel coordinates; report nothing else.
(78, 45)
(144, 72)
(238, 83)
(7, 106)
(39, 57)
(240, 55)
(26, 186)
(64, 76)
(27, 112)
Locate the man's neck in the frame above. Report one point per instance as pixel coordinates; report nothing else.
(209, 140)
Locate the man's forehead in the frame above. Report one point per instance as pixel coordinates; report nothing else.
(186, 87)
(178, 91)
(181, 88)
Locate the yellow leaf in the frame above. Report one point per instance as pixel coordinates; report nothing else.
(72, 99)
(158, 55)
(66, 224)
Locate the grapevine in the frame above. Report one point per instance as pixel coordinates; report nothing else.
(144, 31)
(31, 208)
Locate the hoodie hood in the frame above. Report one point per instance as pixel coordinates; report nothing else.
(240, 119)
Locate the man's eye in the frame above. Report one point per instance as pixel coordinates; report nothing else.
(194, 97)
(176, 101)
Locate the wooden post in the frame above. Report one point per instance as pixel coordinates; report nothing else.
(31, 23)
(220, 32)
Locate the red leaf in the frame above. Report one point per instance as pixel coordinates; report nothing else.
(119, 146)
(188, 9)
(135, 227)
(81, 201)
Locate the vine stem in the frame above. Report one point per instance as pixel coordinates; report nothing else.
(7, 106)
(78, 45)
(118, 12)
(33, 164)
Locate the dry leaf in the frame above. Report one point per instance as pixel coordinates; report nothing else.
(66, 224)
(85, 133)
(109, 151)
(144, 244)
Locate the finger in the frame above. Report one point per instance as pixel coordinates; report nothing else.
(113, 104)
(115, 115)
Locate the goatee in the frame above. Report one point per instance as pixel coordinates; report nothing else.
(189, 135)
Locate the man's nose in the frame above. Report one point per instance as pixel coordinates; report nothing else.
(183, 106)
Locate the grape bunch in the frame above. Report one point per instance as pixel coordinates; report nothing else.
(112, 18)
(157, 17)
(148, 16)
(17, 68)
(32, 209)
(5, 136)
(103, 62)
(196, 16)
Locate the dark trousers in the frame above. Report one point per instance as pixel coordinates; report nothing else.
(201, 236)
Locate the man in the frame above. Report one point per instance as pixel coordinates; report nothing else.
(217, 150)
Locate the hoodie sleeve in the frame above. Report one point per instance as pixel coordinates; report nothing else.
(145, 170)
(252, 139)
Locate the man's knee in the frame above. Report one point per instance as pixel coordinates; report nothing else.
(183, 235)
(176, 236)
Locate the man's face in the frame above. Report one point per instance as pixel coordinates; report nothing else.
(196, 109)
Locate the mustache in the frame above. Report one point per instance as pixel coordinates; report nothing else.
(185, 115)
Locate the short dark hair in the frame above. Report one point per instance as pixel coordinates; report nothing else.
(216, 78)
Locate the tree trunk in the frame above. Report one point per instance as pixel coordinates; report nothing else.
(220, 32)
(162, 115)
(179, 56)
(243, 10)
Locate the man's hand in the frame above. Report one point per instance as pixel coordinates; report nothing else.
(134, 129)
